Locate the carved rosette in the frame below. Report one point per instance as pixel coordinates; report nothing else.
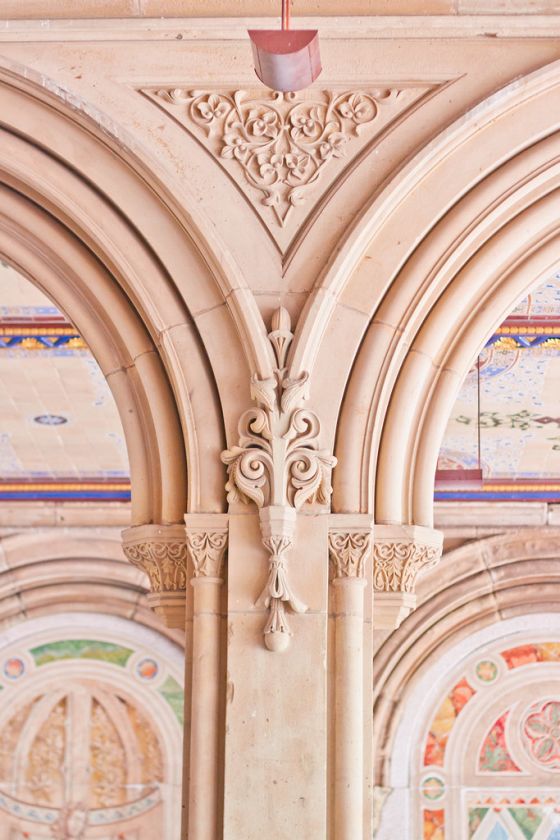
(279, 466)
(348, 553)
(161, 552)
(400, 554)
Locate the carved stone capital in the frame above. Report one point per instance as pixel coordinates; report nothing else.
(161, 552)
(350, 545)
(207, 539)
(400, 554)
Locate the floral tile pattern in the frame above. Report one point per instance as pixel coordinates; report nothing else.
(518, 417)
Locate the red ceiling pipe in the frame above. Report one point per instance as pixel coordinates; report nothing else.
(286, 59)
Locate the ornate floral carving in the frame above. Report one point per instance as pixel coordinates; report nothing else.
(165, 562)
(283, 142)
(348, 551)
(206, 550)
(278, 465)
(161, 552)
(397, 564)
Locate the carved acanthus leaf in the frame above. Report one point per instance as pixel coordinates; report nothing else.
(165, 562)
(279, 439)
(206, 550)
(348, 551)
(280, 145)
(397, 564)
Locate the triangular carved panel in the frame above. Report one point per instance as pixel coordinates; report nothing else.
(284, 151)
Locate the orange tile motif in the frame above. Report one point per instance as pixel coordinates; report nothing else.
(444, 721)
(434, 825)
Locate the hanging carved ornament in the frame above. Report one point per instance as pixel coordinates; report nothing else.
(282, 144)
(279, 466)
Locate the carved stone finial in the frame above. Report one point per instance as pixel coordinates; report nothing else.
(161, 552)
(348, 552)
(278, 465)
(400, 554)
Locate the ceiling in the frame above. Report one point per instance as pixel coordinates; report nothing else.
(60, 433)
(519, 407)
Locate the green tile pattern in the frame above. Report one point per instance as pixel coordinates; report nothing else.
(81, 649)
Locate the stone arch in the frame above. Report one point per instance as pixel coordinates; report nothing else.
(90, 219)
(473, 224)
(48, 572)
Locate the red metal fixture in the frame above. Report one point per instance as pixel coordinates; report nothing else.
(286, 59)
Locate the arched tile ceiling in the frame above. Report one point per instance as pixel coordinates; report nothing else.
(60, 433)
(519, 408)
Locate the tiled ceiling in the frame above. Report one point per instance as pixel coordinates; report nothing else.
(59, 426)
(519, 407)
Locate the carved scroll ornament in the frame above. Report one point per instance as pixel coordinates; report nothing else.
(279, 466)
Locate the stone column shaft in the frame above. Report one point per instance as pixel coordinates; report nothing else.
(206, 542)
(349, 688)
(349, 548)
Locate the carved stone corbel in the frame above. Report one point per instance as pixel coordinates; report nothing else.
(279, 466)
(400, 554)
(161, 552)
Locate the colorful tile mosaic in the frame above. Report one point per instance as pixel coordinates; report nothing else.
(175, 696)
(531, 653)
(434, 825)
(519, 418)
(81, 649)
(541, 733)
(13, 668)
(444, 721)
(497, 805)
(494, 755)
(61, 437)
(147, 669)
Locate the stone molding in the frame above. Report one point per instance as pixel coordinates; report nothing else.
(161, 552)
(207, 541)
(279, 466)
(350, 545)
(400, 554)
